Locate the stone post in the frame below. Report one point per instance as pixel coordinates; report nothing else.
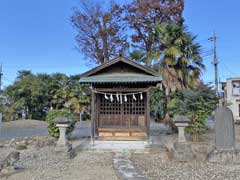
(0, 123)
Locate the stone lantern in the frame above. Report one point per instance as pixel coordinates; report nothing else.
(181, 122)
(63, 123)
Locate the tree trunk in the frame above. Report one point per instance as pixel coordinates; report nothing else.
(196, 136)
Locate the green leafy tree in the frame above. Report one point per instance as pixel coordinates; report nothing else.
(58, 90)
(197, 104)
(28, 95)
(78, 99)
(34, 95)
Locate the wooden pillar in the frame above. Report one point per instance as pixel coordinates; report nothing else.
(93, 116)
(148, 113)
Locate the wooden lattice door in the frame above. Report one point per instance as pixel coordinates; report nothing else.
(131, 113)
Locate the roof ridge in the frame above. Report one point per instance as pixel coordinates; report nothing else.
(118, 59)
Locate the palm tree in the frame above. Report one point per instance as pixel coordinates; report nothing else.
(180, 63)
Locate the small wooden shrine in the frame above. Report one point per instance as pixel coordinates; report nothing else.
(120, 98)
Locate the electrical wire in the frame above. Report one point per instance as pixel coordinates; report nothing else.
(228, 69)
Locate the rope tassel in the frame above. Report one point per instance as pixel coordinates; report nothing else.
(125, 98)
(141, 96)
(111, 98)
(117, 96)
(134, 97)
(106, 97)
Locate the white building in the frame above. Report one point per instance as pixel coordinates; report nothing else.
(231, 90)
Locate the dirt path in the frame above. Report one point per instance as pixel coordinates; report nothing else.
(125, 168)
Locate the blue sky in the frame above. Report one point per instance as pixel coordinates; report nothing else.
(38, 36)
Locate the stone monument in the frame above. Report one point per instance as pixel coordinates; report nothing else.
(224, 128)
(0, 123)
(225, 151)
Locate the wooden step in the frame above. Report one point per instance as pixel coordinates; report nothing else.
(124, 138)
(121, 129)
(115, 132)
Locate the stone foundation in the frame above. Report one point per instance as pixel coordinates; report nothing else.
(65, 150)
(189, 151)
(231, 156)
(182, 152)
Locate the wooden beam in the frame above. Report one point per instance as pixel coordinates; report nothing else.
(93, 116)
(122, 129)
(122, 89)
(148, 113)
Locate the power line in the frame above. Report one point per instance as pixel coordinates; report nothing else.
(7, 80)
(228, 69)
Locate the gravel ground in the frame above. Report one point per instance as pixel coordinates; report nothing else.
(158, 166)
(154, 166)
(46, 164)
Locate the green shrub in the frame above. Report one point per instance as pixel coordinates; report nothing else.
(21, 147)
(158, 104)
(86, 117)
(52, 129)
(197, 104)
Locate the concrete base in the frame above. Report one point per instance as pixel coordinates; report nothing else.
(120, 146)
(225, 156)
(66, 150)
(63, 148)
(116, 146)
(182, 152)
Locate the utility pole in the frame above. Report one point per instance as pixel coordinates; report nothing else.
(215, 61)
(1, 115)
(1, 74)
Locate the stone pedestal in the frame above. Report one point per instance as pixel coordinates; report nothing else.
(181, 132)
(62, 141)
(181, 122)
(230, 156)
